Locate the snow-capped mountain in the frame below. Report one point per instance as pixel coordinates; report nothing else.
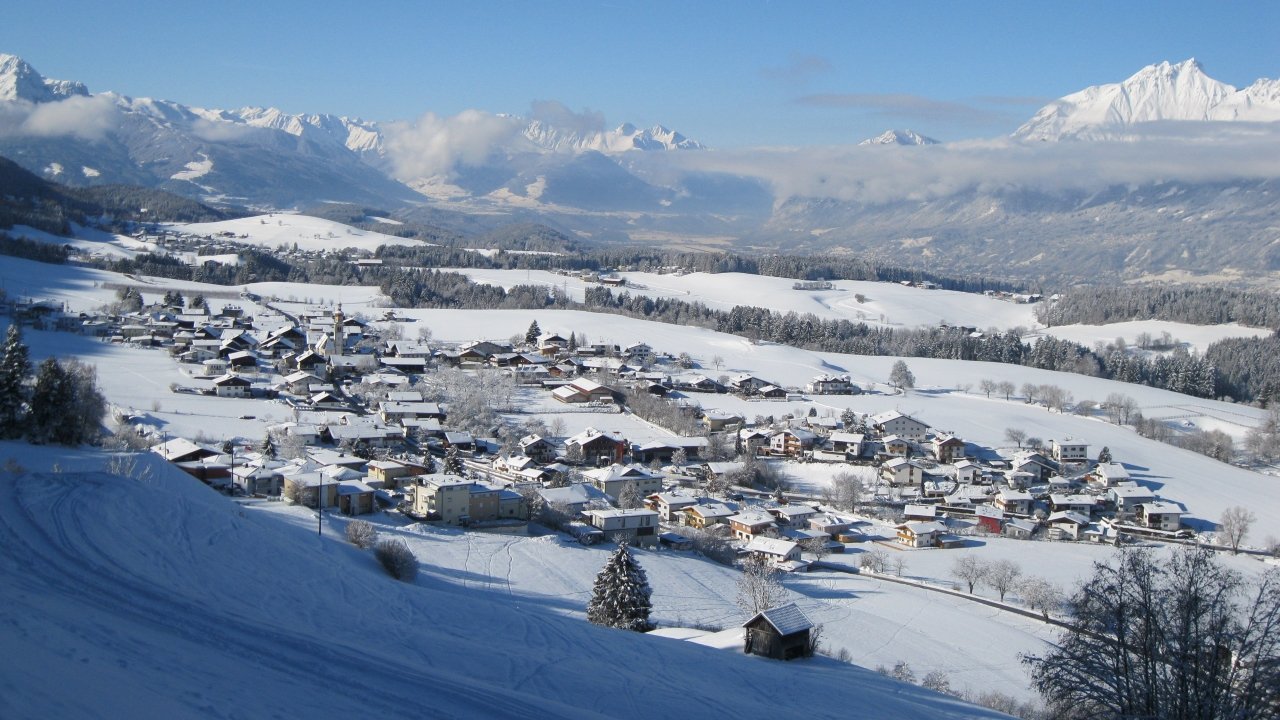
(1165, 91)
(20, 81)
(621, 139)
(899, 137)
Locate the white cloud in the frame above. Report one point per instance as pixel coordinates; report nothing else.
(1184, 152)
(84, 117)
(435, 145)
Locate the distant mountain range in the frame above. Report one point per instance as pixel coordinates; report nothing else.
(1168, 174)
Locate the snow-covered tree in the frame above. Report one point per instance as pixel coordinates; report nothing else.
(901, 376)
(620, 598)
(972, 570)
(268, 447)
(629, 496)
(15, 367)
(1234, 526)
(452, 461)
(1104, 455)
(533, 333)
(1002, 576)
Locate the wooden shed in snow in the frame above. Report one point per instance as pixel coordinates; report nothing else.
(781, 633)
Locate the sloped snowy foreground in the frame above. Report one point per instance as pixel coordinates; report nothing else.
(159, 598)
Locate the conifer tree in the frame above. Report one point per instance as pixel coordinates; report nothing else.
(621, 594)
(452, 462)
(531, 335)
(50, 401)
(268, 447)
(15, 366)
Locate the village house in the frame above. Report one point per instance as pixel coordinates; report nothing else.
(1069, 452)
(704, 515)
(920, 513)
(664, 451)
(848, 443)
(387, 473)
(232, 386)
(832, 385)
(671, 505)
(895, 423)
(1037, 468)
(752, 440)
(637, 526)
(597, 448)
(1016, 502)
(398, 411)
(1110, 474)
(717, 421)
(946, 448)
(792, 442)
(612, 479)
(441, 497)
(901, 472)
(781, 633)
(990, 519)
(1159, 515)
(920, 534)
(1080, 504)
(574, 499)
(793, 515)
(1067, 525)
(538, 448)
(894, 446)
(1127, 498)
(583, 390)
(966, 472)
(306, 487)
(774, 550)
(1020, 529)
(750, 523)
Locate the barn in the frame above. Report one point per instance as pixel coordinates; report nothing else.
(781, 633)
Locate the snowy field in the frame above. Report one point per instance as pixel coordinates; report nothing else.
(159, 598)
(1195, 338)
(883, 304)
(308, 233)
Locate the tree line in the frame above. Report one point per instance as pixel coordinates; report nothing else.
(59, 402)
(1197, 305)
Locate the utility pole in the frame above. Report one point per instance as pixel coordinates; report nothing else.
(320, 508)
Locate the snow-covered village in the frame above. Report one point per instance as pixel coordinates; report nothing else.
(498, 408)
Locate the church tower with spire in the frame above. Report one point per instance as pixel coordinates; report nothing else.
(338, 319)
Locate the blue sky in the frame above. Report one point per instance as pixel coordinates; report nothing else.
(729, 74)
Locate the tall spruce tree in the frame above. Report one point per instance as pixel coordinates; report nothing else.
(531, 335)
(51, 401)
(15, 367)
(621, 594)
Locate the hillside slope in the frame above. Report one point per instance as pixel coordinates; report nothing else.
(159, 598)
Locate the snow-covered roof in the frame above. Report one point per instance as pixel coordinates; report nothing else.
(771, 546)
(786, 619)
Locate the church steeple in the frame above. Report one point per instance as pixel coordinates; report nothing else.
(338, 319)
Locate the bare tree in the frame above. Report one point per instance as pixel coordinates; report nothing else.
(1040, 594)
(845, 491)
(816, 546)
(1175, 635)
(1015, 435)
(970, 569)
(1006, 388)
(1030, 391)
(987, 386)
(1234, 526)
(1002, 575)
(874, 560)
(898, 564)
(758, 587)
